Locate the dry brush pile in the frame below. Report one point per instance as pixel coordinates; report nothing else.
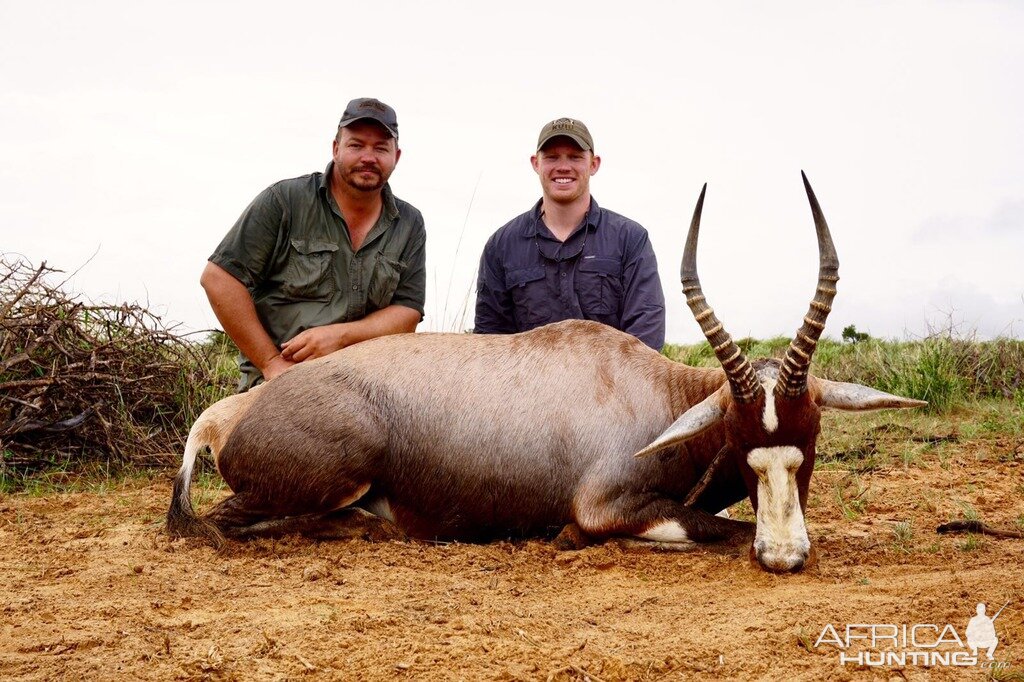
(82, 382)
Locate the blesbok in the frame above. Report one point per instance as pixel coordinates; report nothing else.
(471, 437)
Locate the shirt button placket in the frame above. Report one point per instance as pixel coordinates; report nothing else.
(564, 284)
(356, 277)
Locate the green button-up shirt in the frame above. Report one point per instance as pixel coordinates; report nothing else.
(291, 249)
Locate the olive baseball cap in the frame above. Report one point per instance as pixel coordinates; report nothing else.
(566, 127)
(374, 109)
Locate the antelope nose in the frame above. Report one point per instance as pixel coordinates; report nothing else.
(781, 561)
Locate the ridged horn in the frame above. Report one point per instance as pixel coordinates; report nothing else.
(742, 380)
(792, 381)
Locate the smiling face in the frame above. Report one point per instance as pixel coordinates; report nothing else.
(365, 155)
(564, 170)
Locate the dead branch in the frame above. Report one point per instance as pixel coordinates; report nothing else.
(81, 380)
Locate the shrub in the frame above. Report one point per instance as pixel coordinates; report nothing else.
(81, 381)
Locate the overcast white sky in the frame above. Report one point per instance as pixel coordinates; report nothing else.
(140, 130)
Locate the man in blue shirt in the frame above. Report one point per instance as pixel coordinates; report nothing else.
(568, 258)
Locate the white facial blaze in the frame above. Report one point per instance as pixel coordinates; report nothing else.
(780, 541)
(770, 419)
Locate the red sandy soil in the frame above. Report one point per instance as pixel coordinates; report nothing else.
(94, 589)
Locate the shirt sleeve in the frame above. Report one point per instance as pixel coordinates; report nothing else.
(412, 285)
(248, 248)
(643, 306)
(495, 312)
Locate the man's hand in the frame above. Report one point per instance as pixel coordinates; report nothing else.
(320, 341)
(315, 343)
(276, 366)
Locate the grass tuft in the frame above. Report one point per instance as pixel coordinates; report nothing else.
(851, 496)
(903, 537)
(971, 543)
(967, 511)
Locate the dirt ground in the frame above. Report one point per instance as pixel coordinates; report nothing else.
(93, 589)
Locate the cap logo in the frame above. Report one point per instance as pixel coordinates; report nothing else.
(568, 127)
(372, 104)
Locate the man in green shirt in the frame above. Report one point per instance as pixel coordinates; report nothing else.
(322, 261)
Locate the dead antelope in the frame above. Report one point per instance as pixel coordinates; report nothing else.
(472, 437)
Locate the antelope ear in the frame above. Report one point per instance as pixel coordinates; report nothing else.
(693, 422)
(839, 395)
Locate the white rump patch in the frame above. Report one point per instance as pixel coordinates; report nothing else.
(770, 419)
(666, 531)
(780, 541)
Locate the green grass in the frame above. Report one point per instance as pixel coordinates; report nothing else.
(971, 544)
(851, 496)
(928, 501)
(994, 417)
(944, 369)
(903, 537)
(742, 511)
(218, 361)
(99, 478)
(804, 638)
(207, 488)
(967, 511)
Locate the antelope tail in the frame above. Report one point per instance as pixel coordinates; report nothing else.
(212, 428)
(182, 520)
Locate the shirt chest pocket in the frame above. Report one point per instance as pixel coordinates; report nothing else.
(308, 274)
(599, 286)
(387, 272)
(529, 296)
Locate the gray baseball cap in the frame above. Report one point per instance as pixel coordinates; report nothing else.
(566, 127)
(374, 109)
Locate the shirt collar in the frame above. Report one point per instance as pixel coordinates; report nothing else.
(535, 226)
(386, 195)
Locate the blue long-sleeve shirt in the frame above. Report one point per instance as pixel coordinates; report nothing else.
(605, 271)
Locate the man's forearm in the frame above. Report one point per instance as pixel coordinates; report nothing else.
(236, 313)
(317, 342)
(394, 319)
